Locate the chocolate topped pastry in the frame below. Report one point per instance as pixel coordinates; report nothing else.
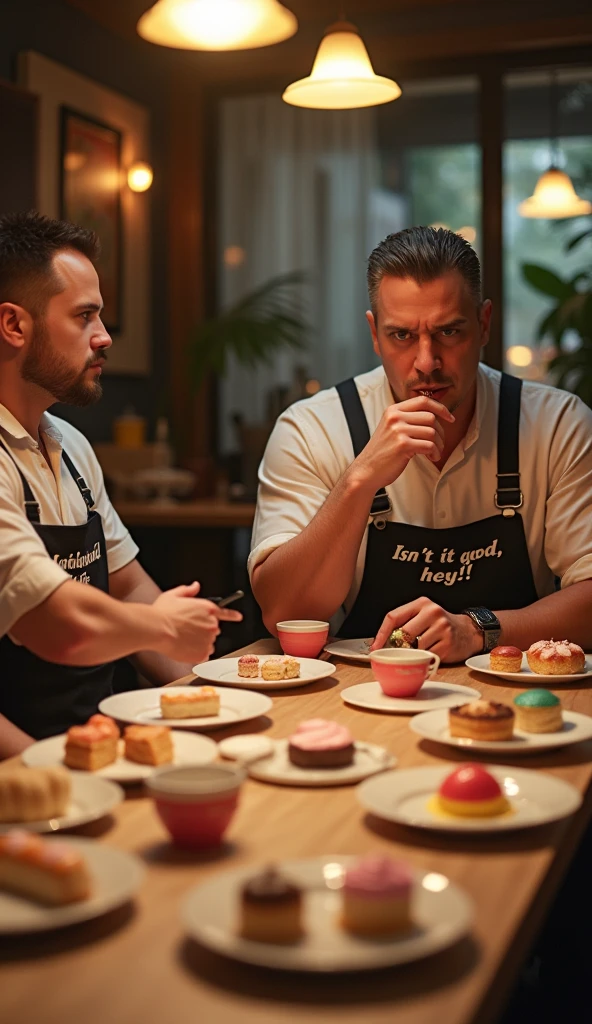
(482, 720)
(399, 638)
(271, 908)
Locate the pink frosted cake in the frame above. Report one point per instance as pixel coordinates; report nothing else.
(248, 666)
(556, 657)
(377, 896)
(319, 743)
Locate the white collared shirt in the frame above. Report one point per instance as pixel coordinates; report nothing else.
(310, 449)
(27, 574)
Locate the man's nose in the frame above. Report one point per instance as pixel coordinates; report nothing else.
(427, 358)
(101, 338)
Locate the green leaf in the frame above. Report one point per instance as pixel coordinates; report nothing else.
(577, 239)
(545, 281)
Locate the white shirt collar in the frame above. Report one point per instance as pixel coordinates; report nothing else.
(10, 425)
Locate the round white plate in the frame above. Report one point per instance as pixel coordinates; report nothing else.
(431, 696)
(357, 650)
(433, 725)
(116, 877)
(442, 912)
(404, 796)
(368, 759)
(91, 799)
(526, 677)
(225, 672)
(143, 708)
(188, 748)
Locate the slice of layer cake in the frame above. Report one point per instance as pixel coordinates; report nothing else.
(148, 744)
(49, 871)
(92, 746)
(195, 703)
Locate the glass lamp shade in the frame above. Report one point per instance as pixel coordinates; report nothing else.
(217, 24)
(342, 75)
(554, 197)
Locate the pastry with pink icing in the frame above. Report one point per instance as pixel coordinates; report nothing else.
(556, 658)
(45, 870)
(248, 666)
(377, 896)
(318, 743)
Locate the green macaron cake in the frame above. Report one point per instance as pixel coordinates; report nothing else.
(538, 711)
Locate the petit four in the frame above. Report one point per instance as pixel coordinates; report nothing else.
(318, 743)
(92, 746)
(471, 792)
(399, 638)
(377, 896)
(148, 744)
(34, 794)
(248, 666)
(45, 870)
(505, 659)
(271, 908)
(482, 720)
(280, 667)
(538, 711)
(556, 657)
(201, 701)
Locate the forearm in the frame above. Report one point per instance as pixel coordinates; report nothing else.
(562, 615)
(311, 575)
(157, 668)
(12, 739)
(79, 625)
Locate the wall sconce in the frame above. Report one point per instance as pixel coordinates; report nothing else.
(140, 176)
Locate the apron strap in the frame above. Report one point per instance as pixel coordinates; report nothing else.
(360, 435)
(31, 506)
(508, 494)
(80, 483)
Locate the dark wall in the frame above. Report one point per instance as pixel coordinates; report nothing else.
(140, 71)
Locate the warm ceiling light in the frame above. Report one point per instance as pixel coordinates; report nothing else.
(217, 24)
(139, 177)
(519, 355)
(468, 233)
(342, 75)
(554, 197)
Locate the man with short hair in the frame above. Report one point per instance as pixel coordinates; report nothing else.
(73, 597)
(433, 494)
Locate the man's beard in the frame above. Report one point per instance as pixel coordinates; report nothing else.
(49, 370)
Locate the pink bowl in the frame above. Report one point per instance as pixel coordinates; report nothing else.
(196, 803)
(302, 638)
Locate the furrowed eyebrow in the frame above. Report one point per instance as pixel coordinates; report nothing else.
(453, 323)
(88, 307)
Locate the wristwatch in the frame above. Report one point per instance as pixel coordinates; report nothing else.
(488, 623)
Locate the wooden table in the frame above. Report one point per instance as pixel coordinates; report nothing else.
(136, 965)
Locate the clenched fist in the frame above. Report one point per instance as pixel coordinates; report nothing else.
(191, 624)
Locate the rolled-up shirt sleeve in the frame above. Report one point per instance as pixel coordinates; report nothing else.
(568, 517)
(292, 484)
(27, 575)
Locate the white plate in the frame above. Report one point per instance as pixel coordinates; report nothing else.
(225, 672)
(188, 748)
(354, 649)
(526, 677)
(143, 708)
(433, 695)
(116, 877)
(404, 796)
(433, 725)
(442, 912)
(368, 759)
(91, 799)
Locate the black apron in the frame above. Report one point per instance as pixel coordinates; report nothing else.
(41, 697)
(483, 563)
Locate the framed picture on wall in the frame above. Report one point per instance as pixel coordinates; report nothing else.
(90, 195)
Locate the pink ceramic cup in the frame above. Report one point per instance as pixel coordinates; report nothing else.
(196, 803)
(402, 672)
(302, 638)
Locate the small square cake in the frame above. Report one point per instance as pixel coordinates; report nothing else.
(148, 744)
(92, 746)
(248, 666)
(48, 871)
(197, 703)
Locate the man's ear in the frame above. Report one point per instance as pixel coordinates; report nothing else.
(372, 326)
(485, 321)
(15, 324)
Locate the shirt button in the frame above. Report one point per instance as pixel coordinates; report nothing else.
(441, 514)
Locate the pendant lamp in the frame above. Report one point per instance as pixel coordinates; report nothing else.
(342, 75)
(554, 196)
(217, 24)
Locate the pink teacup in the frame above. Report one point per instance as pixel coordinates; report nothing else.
(196, 802)
(402, 672)
(302, 638)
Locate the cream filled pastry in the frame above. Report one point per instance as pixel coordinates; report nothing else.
(318, 743)
(556, 658)
(538, 711)
(377, 896)
(471, 792)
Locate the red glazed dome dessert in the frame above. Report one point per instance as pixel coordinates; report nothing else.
(471, 792)
(505, 659)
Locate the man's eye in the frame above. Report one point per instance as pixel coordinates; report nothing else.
(402, 335)
(86, 315)
(449, 332)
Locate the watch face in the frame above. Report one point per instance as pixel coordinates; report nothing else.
(486, 618)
